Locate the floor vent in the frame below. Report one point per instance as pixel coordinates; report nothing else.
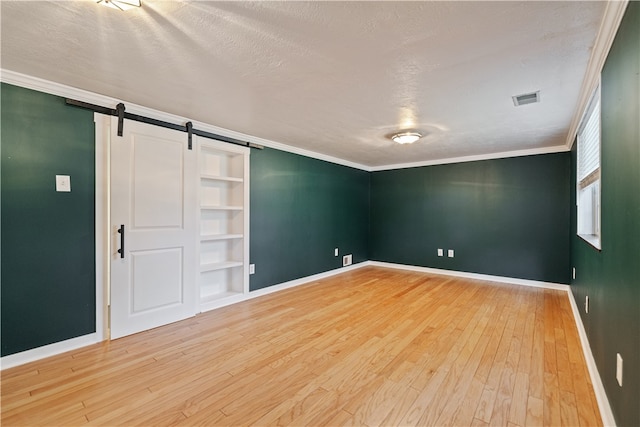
(526, 98)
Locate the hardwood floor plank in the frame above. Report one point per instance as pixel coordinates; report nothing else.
(373, 346)
(551, 401)
(518, 409)
(467, 407)
(304, 401)
(568, 409)
(536, 374)
(534, 412)
(341, 419)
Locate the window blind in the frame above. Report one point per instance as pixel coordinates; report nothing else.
(589, 146)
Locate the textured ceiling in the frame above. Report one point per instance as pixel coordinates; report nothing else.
(331, 77)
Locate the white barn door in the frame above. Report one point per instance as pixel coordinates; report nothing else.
(153, 205)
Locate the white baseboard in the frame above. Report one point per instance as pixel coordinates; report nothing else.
(477, 276)
(304, 280)
(48, 350)
(601, 396)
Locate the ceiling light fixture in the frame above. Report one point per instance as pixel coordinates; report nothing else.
(406, 137)
(120, 4)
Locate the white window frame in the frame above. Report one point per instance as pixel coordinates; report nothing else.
(588, 185)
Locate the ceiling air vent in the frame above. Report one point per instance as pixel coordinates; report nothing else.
(526, 98)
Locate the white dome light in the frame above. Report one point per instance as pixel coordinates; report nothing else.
(406, 137)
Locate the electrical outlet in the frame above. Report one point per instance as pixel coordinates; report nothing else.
(574, 273)
(440, 252)
(347, 260)
(450, 253)
(252, 268)
(63, 183)
(335, 252)
(586, 304)
(619, 369)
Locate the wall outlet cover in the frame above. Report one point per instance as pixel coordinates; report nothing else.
(347, 260)
(450, 253)
(252, 268)
(440, 252)
(63, 183)
(586, 304)
(335, 252)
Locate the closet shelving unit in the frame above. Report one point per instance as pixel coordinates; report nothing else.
(223, 244)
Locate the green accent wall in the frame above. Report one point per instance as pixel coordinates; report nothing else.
(611, 277)
(47, 242)
(505, 217)
(301, 209)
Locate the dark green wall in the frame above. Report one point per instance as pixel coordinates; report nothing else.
(301, 209)
(611, 277)
(506, 217)
(48, 244)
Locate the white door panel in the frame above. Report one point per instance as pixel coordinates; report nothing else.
(158, 182)
(153, 185)
(152, 267)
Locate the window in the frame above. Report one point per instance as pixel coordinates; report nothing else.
(588, 190)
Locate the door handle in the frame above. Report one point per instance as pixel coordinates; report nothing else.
(121, 250)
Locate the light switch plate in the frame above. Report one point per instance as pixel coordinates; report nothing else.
(63, 183)
(619, 369)
(450, 253)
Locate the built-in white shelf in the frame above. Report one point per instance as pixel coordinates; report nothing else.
(211, 237)
(221, 208)
(223, 241)
(219, 296)
(213, 266)
(220, 178)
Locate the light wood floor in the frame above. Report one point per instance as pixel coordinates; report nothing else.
(370, 347)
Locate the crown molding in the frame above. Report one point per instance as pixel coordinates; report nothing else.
(492, 156)
(606, 34)
(53, 88)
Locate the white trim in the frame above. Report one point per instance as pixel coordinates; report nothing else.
(305, 280)
(502, 155)
(48, 351)
(101, 217)
(606, 34)
(477, 276)
(598, 387)
(58, 89)
(307, 153)
(103, 223)
(223, 302)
